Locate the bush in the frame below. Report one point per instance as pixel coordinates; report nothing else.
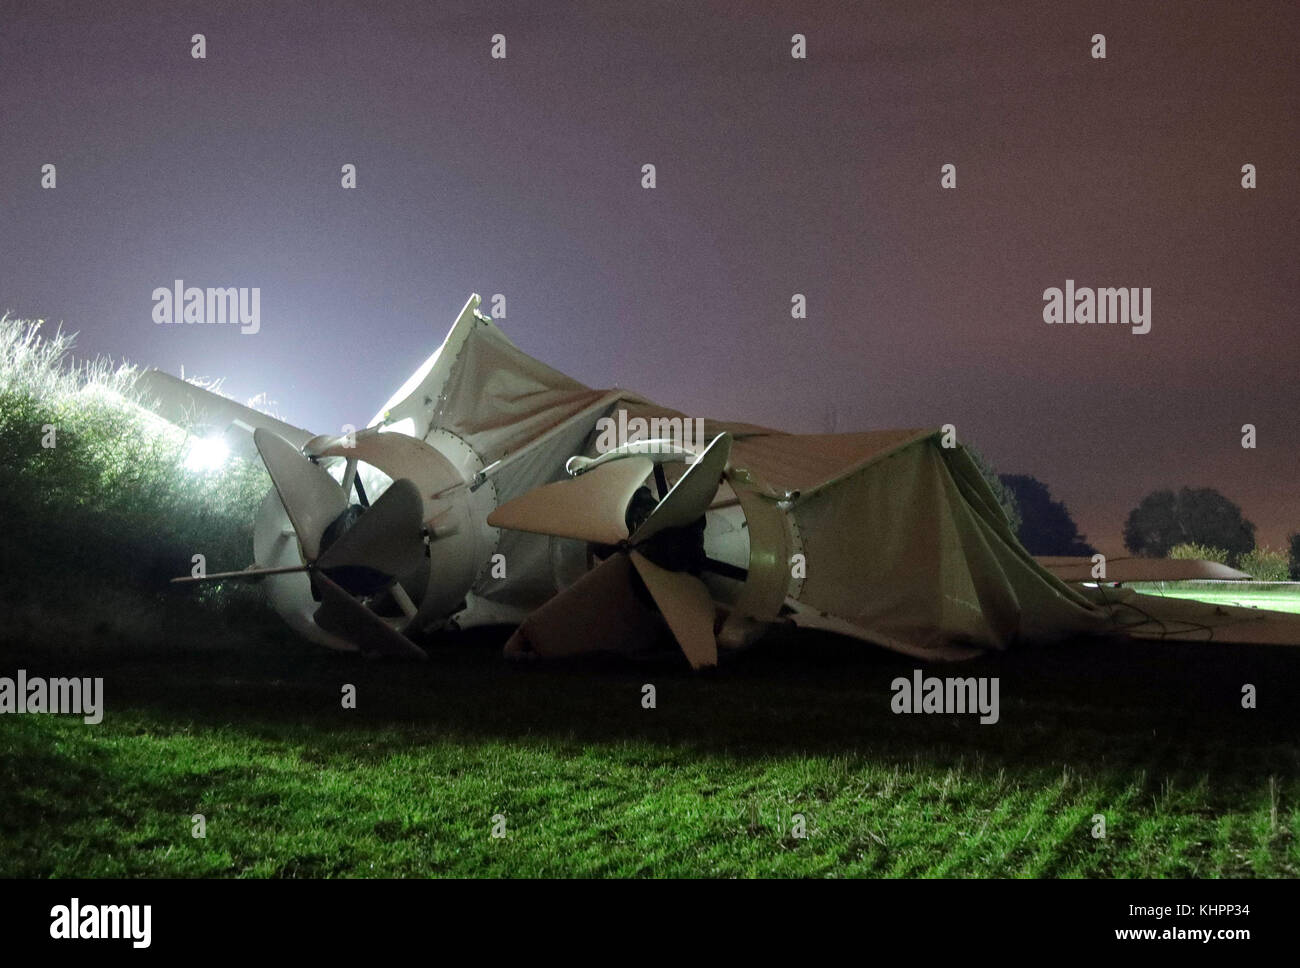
(1189, 550)
(1265, 564)
(109, 512)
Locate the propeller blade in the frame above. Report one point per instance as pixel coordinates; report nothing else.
(387, 538)
(342, 615)
(686, 605)
(311, 498)
(691, 496)
(592, 507)
(599, 612)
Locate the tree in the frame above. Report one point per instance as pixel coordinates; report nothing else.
(1046, 527)
(1295, 556)
(1193, 515)
(1005, 498)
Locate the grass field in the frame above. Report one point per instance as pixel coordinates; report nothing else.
(251, 734)
(1275, 596)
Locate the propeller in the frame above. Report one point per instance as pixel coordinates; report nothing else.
(312, 499)
(384, 543)
(348, 617)
(347, 550)
(664, 547)
(591, 507)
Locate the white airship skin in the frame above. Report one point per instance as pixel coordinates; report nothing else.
(483, 493)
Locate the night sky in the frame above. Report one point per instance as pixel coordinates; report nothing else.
(775, 176)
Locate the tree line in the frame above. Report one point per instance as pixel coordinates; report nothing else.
(1188, 523)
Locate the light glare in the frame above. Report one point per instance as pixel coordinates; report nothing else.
(206, 454)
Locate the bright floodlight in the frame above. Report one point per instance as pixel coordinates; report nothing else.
(206, 454)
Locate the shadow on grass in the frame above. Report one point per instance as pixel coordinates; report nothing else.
(1080, 703)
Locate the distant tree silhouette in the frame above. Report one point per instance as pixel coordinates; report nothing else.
(1202, 516)
(1046, 527)
(1295, 556)
(1005, 498)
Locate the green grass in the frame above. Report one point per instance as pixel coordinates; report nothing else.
(253, 736)
(1280, 597)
